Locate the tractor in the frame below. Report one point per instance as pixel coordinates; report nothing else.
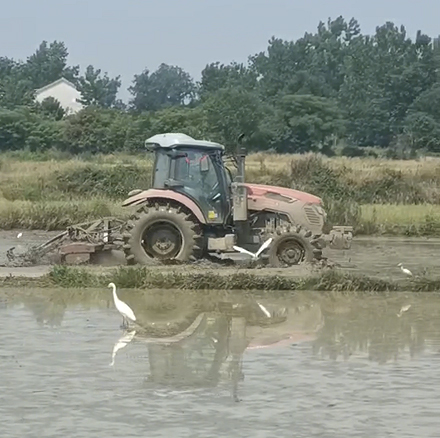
(196, 209)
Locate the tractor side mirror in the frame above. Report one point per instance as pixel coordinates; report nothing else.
(204, 164)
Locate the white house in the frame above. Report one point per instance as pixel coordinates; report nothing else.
(63, 91)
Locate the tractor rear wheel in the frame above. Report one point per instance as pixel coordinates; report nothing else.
(294, 247)
(162, 233)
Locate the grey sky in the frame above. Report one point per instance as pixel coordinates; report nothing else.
(124, 36)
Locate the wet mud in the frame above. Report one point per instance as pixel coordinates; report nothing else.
(375, 257)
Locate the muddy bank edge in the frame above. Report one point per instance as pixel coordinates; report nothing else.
(326, 280)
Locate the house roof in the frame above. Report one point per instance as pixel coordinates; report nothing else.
(52, 84)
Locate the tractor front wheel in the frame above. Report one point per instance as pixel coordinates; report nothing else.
(290, 248)
(162, 233)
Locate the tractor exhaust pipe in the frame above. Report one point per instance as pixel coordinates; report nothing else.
(239, 196)
(241, 161)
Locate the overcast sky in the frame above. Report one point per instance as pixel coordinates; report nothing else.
(125, 36)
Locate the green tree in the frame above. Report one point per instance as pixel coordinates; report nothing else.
(96, 130)
(190, 121)
(15, 92)
(384, 75)
(50, 108)
(231, 112)
(15, 88)
(216, 76)
(167, 86)
(48, 64)
(7, 67)
(99, 90)
(305, 123)
(422, 124)
(314, 64)
(23, 129)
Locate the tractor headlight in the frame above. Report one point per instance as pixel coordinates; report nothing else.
(320, 210)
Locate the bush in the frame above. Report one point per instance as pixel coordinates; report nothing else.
(22, 129)
(111, 181)
(96, 130)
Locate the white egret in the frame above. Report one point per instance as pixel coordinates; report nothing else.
(121, 343)
(123, 308)
(403, 310)
(255, 256)
(264, 310)
(19, 235)
(405, 271)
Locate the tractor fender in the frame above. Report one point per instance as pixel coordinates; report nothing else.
(151, 194)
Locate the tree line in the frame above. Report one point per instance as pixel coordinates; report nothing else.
(333, 88)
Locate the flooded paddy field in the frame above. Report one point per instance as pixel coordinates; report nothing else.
(218, 364)
(371, 256)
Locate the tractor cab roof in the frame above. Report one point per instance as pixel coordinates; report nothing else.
(171, 141)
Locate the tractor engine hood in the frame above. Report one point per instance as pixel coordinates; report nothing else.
(260, 190)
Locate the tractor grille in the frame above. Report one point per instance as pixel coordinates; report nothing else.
(312, 216)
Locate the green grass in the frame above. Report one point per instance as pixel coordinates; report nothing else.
(145, 278)
(409, 220)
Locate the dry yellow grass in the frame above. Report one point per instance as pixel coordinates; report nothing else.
(48, 207)
(355, 170)
(55, 215)
(16, 170)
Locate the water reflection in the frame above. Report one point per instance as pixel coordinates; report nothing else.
(201, 346)
(318, 365)
(199, 340)
(47, 312)
(122, 342)
(380, 329)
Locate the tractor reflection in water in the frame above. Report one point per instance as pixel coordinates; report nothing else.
(206, 350)
(47, 313)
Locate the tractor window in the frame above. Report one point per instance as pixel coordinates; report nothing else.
(199, 175)
(196, 170)
(161, 167)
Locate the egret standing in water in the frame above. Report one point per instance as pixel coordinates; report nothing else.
(123, 308)
(404, 270)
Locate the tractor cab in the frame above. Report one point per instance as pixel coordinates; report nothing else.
(195, 169)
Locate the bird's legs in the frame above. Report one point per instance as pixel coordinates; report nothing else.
(124, 324)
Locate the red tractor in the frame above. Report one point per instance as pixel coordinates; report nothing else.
(195, 209)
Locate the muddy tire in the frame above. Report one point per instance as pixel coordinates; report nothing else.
(162, 233)
(294, 247)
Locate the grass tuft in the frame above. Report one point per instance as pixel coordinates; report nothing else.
(148, 278)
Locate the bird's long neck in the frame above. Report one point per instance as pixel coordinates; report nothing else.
(115, 297)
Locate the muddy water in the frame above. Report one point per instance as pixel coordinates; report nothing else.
(216, 365)
(379, 256)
